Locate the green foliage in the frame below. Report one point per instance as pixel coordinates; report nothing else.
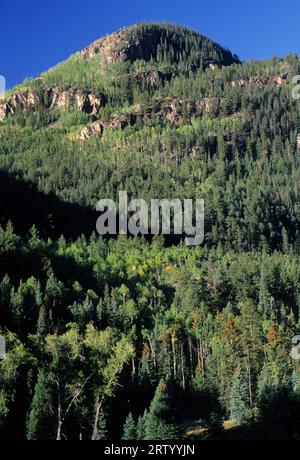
(40, 417)
(165, 311)
(93, 322)
(161, 420)
(73, 118)
(130, 428)
(102, 427)
(239, 399)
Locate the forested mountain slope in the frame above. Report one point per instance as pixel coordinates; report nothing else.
(113, 324)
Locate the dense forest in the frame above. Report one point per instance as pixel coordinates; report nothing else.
(144, 338)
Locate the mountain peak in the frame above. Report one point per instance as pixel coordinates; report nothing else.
(160, 42)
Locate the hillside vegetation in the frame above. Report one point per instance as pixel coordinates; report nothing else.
(146, 338)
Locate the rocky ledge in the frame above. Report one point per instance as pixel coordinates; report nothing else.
(174, 111)
(51, 98)
(261, 81)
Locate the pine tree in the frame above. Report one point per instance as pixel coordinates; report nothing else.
(130, 428)
(285, 241)
(239, 399)
(39, 420)
(277, 400)
(161, 421)
(102, 431)
(42, 325)
(140, 428)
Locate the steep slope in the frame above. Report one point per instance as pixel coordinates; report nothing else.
(142, 97)
(168, 50)
(160, 43)
(93, 324)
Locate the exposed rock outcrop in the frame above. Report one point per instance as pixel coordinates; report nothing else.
(51, 98)
(175, 111)
(93, 130)
(152, 78)
(20, 101)
(107, 47)
(96, 129)
(84, 101)
(261, 81)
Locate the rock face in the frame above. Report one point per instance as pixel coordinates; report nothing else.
(261, 81)
(174, 111)
(84, 101)
(93, 130)
(51, 98)
(107, 47)
(96, 129)
(152, 78)
(20, 101)
(121, 46)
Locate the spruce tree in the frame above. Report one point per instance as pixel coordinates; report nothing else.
(239, 399)
(161, 421)
(140, 428)
(39, 419)
(102, 431)
(130, 428)
(42, 323)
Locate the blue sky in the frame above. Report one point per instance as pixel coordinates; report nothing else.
(37, 34)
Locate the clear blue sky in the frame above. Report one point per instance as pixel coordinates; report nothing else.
(37, 34)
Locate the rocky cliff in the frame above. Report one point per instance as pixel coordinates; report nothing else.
(51, 98)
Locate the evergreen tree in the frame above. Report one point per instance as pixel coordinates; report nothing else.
(161, 422)
(130, 428)
(239, 399)
(40, 418)
(102, 429)
(42, 324)
(141, 424)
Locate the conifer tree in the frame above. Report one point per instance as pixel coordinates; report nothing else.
(42, 325)
(130, 428)
(161, 420)
(39, 421)
(140, 427)
(239, 399)
(102, 429)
